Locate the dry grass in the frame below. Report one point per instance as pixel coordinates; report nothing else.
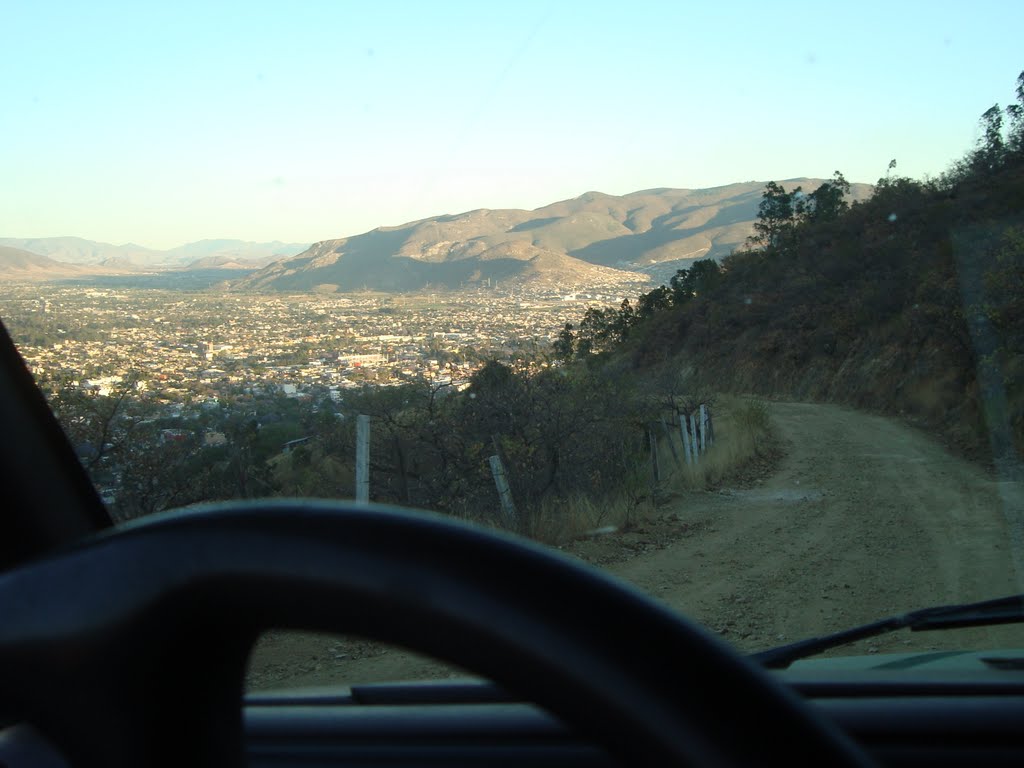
(557, 522)
(742, 427)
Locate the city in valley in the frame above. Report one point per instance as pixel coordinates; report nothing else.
(138, 369)
(199, 347)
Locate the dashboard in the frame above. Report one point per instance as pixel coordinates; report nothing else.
(966, 710)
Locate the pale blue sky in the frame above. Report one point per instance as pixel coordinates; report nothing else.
(162, 123)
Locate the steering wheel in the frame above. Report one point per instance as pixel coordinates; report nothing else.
(130, 649)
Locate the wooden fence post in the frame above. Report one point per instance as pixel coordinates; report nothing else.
(685, 437)
(362, 459)
(703, 428)
(508, 507)
(693, 437)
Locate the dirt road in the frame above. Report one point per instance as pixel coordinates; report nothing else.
(863, 517)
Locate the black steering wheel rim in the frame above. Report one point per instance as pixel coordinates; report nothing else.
(127, 627)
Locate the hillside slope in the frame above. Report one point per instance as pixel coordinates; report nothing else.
(909, 303)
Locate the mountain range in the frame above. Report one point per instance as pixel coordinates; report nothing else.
(200, 254)
(593, 239)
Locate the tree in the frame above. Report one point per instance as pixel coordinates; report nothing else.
(828, 202)
(991, 150)
(565, 345)
(1015, 141)
(776, 217)
(596, 330)
(705, 275)
(160, 474)
(623, 320)
(98, 426)
(494, 378)
(653, 301)
(701, 278)
(680, 286)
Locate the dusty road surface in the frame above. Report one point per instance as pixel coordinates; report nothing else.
(862, 517)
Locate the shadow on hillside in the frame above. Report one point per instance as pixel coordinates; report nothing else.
(526, 226)
(376, 244)
(622, 248)
(742, 212)
(402, 273)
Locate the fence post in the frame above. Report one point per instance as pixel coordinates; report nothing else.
(693, 437)
(501, 455)
(362, 459)
(703, 428)
(508, 507)
(685, 438)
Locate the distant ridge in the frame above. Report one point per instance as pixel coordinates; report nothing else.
(17, 264)
(595, 238)
(76, 250)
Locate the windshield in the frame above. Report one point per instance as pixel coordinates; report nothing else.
(725, 300)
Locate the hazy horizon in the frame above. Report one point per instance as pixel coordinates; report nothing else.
(387, 225)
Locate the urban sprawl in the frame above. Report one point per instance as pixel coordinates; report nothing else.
(190, 348)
